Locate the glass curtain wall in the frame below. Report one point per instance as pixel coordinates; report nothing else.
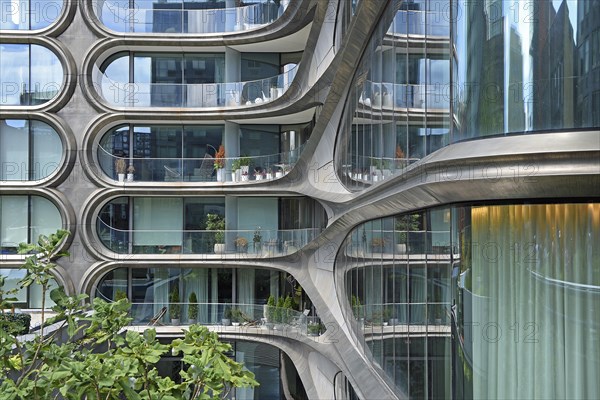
(162, 152)
(30, 297)
(398, 107)
(23, 218)
(525, 66)
(29, 150)
(158, 225)
(247, 289)
(28, 14)
(187, 79)
(272, 368)
(487, 301)
(29, 74)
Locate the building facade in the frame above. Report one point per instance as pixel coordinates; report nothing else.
(369, 199)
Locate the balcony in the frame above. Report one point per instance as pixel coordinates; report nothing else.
(237, 243)
(390, 96)
(260, 168)
(194, 95)
(187, 17)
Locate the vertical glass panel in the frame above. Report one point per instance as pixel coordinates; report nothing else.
(14, 74)
(46, 150)
(43, 13)
(35, 295)
(525, 67)
(263, 361)
(11, 282)
(13, 222)
(14, 14)
(45, 217)
(196, 281)
(14, 150)
(46, 75)
(158, 224)
(538, 285)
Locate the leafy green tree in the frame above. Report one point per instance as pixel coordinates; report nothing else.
(89, 354)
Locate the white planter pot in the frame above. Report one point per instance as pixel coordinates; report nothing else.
(259, 177)
(219, 248)
(401, 248)
(269, 176)
(175, 321)
(245, 178)
(225, 321)
(121, 177)
(221, 175)
(191, 321)
(129, 177)
(245, 169)
(279, 174)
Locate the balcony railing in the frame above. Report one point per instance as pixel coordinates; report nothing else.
(388, 95)
(166, 18)
(376, 169)
(259, 168)
(239, 243)
(372, 316)
(194, 95)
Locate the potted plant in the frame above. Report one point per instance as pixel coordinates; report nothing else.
(269, 174)
(219, 164)
(216, 224)
(120, 167)
(257, 239)
(245, 176)
(314, 329)
(120, 294)
(245, 162)
(280, 314)
(192, 308)
(405, 224)
(270, 311)
(174, 306)
(235, 167)
(237, 316)
(288, 305)
(378, 244)
(259, 173)
(130, 172)
(226, 320)
(241, 244)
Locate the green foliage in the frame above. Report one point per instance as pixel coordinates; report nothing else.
(405, 224)
(216, 223)
(120, 294)
(280, 311)
(15, 324)
(356, 306)
(89, 354)
(288, 305)
(245, 161)
(271, 310)
(174, 303)
(193, 307)
(235, 165)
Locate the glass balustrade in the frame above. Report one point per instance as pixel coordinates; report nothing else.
(273, 243)
(258, 168)
(376, 169)
(204, 95)
(390, 95)
(181, 18)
